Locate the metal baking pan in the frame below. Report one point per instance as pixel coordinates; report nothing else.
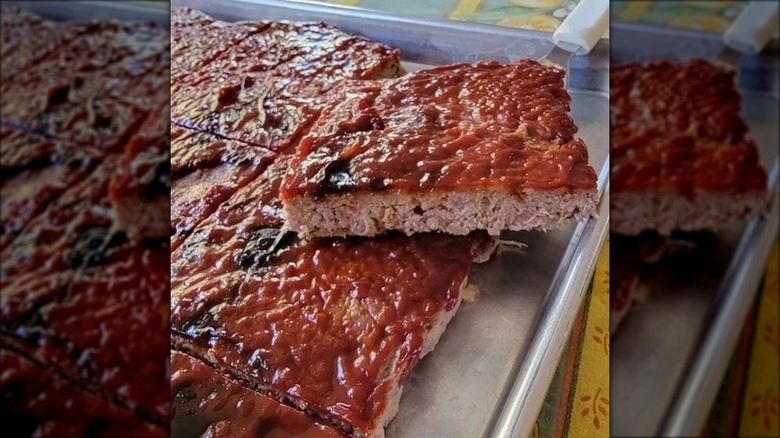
(670, 354)
(492, 368)
(158, 12)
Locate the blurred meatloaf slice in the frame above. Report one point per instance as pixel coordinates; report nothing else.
(453, 149)
(680, 157)
(207, 403)
(140, 191)
(36, 401)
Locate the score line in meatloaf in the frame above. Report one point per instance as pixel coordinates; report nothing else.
(207, 403)
(331, 327)
(84, 342)
(452, 149)
(680, 155)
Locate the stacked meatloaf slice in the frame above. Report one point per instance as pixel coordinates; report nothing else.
(83, 321)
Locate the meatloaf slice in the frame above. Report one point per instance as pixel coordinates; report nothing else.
(680, 157)
(453, 149)
(333, 326)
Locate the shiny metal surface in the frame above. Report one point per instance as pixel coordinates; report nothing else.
(156, 11)
(492, 368)
(687, 415)
(671, 352)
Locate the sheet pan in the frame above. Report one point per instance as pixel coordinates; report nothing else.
(670, 353)
(158, 12)
(492, 368)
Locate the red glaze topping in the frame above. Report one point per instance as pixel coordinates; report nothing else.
(195, 45)
(36, 402)
(321, 321)
(183, 18)
(206, 403)
(209, 262)
(459, 127)
(192, 150)
(144, 169)
(678, 127)
(24, 150)
(260, 109)
(20, 49)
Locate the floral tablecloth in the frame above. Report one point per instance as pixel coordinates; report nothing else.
(577, 404)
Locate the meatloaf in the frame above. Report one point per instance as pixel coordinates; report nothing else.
(681, 158)
(83, 291)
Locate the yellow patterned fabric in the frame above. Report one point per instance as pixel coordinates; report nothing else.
(712, 16)
(541, 15)
(577, 403)
(761, 402)
(590, 415)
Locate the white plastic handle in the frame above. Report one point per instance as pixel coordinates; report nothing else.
(753, 28)
(584, 26)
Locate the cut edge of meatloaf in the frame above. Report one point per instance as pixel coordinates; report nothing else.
(395, 372)
(449, 212)
(667, 211)
(395, 381)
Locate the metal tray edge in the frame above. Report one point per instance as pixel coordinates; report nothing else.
(523, 403)
(158, 12)
(696, 395)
